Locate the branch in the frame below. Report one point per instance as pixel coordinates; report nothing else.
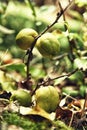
(70, 55)
(32, 7)
(84, 106)
(29, 51)
(65, 26)
(60, 56)
(52, 79)
(59, 14)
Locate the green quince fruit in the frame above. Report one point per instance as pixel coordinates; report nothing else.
(25, 38)
(22, 96)
(47, 98)
(48, 45)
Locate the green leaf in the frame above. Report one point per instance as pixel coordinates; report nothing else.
(6, 30)
(81, 63)
(37, 72)
(83, 90)
(81, 3)
(18, 67)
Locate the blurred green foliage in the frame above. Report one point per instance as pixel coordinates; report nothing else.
(15, 15)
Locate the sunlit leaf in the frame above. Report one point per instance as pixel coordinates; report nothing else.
(81, 3)
(6, 30)
(19, 67)
(70, 90)
(83, 90)
(81, 63)
(37, 111)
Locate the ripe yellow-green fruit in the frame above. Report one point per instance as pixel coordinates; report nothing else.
(25, 38)
(48, 45)
(47, 98)
(22, 96)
